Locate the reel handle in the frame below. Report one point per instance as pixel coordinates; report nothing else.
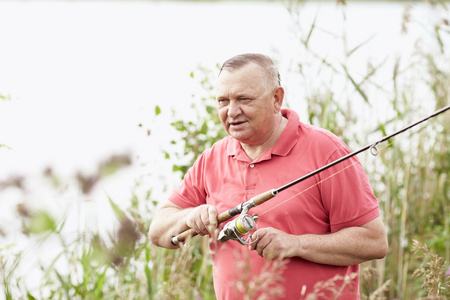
(226, 215)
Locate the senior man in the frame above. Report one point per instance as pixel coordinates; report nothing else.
(322, 227)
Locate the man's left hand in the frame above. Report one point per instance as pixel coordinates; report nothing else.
(272, 243)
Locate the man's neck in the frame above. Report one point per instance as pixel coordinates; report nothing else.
(254, 151)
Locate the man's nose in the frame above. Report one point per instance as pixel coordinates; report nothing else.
(234, 109)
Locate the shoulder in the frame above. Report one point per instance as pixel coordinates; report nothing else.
(218, 150)
(320, 137)
(220, 146)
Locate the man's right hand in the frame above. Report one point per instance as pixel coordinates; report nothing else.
(203, 219)
(171, 220)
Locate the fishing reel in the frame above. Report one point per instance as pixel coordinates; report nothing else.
(239, 227)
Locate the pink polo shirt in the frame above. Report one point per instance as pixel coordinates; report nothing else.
(225, 176)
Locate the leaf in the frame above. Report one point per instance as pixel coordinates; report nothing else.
(41, 222)
(210, 109)
(6, 98)
(157, 110)
(383, 129)
(204, 128)
(120, 214)
(360, 45)
(313, 25)
(101, 281)
(148, 274)
(63, 283)
(5, 146)
(356, 85)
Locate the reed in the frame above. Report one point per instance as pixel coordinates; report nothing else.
(410, 177)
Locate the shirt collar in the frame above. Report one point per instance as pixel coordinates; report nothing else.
(285, 143)
(290, 134)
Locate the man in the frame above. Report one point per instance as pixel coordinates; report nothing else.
(322, 227)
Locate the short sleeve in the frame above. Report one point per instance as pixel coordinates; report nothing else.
(346, 193)
(191, 192)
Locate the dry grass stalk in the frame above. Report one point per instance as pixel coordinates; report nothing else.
(332, 287)
(179, 284)
(378, 293)
(264, 286)
(432, 269)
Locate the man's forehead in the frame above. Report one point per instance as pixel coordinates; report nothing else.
(250, 73)
(248, 67)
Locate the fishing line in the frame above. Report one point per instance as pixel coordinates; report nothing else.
(323, 180)
(308, 188)
(244, 207)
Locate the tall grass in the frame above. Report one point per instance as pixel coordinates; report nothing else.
(410, 177)
(121, 265)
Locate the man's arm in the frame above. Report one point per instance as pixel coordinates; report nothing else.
(170, 220)
(348, 246)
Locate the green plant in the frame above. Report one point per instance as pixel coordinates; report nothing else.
(410, 175)
(410, 178)
(203, 130)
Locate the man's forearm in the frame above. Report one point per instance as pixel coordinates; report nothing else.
(349, 246)
(167, 223)
(337, 249)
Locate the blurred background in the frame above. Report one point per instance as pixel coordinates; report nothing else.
(105, 104)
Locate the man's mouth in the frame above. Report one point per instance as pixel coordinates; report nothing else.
(234, 124)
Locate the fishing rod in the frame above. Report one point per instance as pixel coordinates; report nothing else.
(245, 223)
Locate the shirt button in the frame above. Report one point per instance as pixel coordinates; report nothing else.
(252, 165)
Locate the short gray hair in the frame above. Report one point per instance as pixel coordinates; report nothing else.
(272, 75)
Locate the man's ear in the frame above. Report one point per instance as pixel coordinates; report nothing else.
(278, 97)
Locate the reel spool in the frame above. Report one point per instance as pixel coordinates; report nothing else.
(237, 228)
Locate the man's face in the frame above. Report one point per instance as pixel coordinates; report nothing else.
(246, 108)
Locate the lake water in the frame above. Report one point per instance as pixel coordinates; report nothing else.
(81, 77)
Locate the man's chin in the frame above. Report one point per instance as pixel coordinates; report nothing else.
(239, 136)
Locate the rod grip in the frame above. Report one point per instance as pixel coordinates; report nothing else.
(191, 232)
(183, 236)
(261, 198)
(226, 215)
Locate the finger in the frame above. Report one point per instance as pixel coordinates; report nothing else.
(253, 241)
(212, 214)
(191, 219)
(196, 223)
(256, 237)
(204, 221)
(268, 253)
(202, 227)
(261, 245)
(195, 227)
(211, 223)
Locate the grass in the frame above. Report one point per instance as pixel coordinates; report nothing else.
(410, 177)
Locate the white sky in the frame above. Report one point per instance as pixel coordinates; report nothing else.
(83, 75)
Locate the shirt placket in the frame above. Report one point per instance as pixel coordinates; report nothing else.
(251, 178)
